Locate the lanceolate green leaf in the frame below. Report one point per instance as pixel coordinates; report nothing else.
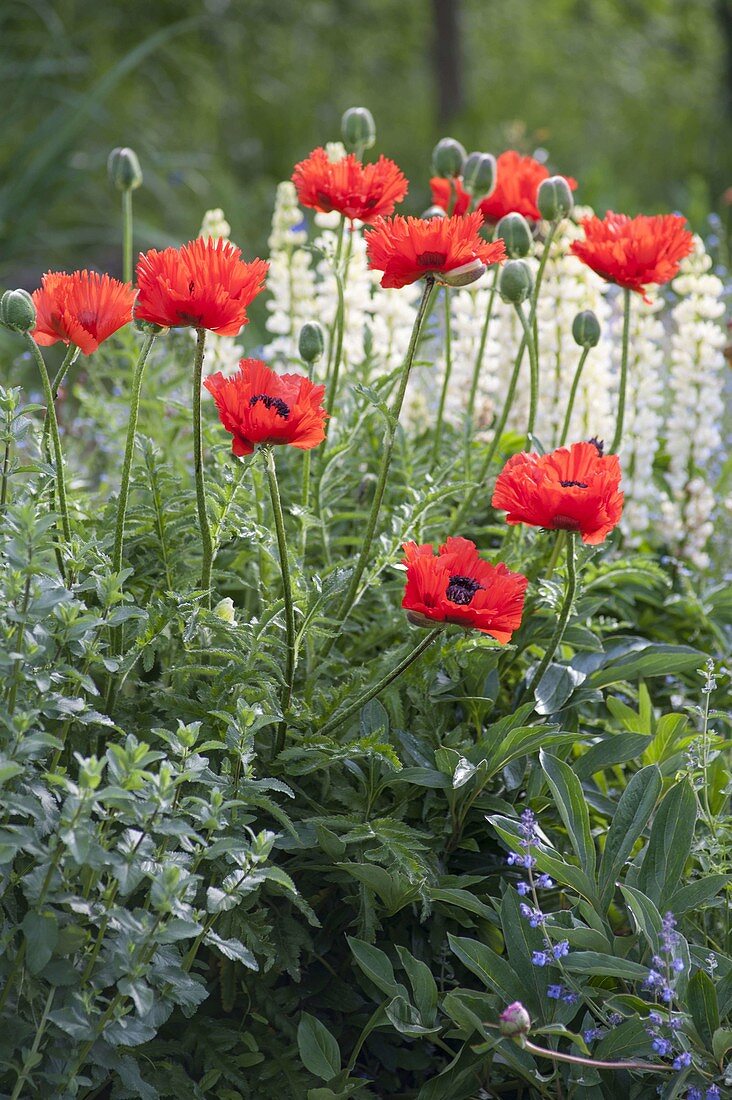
(572, 807)
(669, 844)
(634, 809)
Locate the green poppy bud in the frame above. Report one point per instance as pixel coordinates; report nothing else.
(448, 158)
(515, 1020)
(516, 234)
(586, 329)
(434, 212)
(150, 328)
(479, 174)
(358, 129)
(554, 198)
(516, 282)
(311, 343)
(462, 276)
(17, 311)
(124, 169)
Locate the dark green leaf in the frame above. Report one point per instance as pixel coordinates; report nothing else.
(319, 1050)
(634, 809)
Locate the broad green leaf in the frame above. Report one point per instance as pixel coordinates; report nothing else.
(319, 1051)
(594, 962)
(462, 899)
(616, 749)
(701, 998)
(377, 967)
(634, 809)
(669, 845)
(493, 971)
(655, 659)
(521, 940)
(547, 859)
(721, 1043)
(424, 986)
(697, 893)
(41, 935)
(572, 806)
(406, 1019)
(647, 918)
(557, 684)
(623, 1041)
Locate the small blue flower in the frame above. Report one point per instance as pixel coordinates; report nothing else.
(544, 882)
(570, 998)
(561, 949)
(656, 1018)
(662, 1046)
(615, 1019)
(523, 888)
(539, 958)
(681, 1061)
(678, 965)
(694, 1093)
(555, 992)
(713, 1093)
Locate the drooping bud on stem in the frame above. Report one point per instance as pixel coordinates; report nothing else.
(515, 1020)
(17, 311)
(479, 174)
(434, 212)
(515, 282)
(516, 234)
(358, 129)
(124, 169)
(462, 276)
(448, 158)
(586, 329)
(311, 343)
(554, 198)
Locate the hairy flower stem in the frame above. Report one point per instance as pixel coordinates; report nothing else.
(279, 519)
(470, 412)
(55, 439)
(387, 449)
(534, 368)
(445, 382)
(578, 1060)
(572, 396)
(563, 619)
(332, 333)
(340, 321)
(203, 524)
(70, 358)
(127, 235)
(384, 682)
(618, 437)
(548, 241)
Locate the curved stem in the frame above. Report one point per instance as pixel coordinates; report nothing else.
(569, 593)
(124, 487)
(127, 236)
(618, 437)
(203, 524)
(387, 449)
(384, 682)
(534, 365)
(55, 439)
(445, 380)
(576, 1060)
(572, 395)
(470, 413)
(279, 519)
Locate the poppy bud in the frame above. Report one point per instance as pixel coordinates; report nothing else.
(17, 311)
(224, 610)
(516, 282)
(586, 329)
(150, 328)
(464, 275)
(434, 212)
(124, 169)
(515, 1020)
(358, 129)
(479, 174)
(515, 231)
(448, 158)
(311, 343)
(554, 198)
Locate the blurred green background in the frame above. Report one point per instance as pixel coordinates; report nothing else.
(220, 98)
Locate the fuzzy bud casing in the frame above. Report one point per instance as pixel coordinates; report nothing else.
(554, 198)
(516, 234)
(462, 276)
(434, 212)
(17, 311)
(311, 343)
(479, 174)
(515, 1020)
(586, 329)
(515, 282)
(448, 158)
(358, 129)
(124, 169)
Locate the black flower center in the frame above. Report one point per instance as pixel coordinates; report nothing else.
(462, 589)
(280, 407)
(431, 260)
(574, 484)
(599, 444)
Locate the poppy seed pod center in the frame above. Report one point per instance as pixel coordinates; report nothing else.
(431, 259)
(462, 589)
(573, 484)
(281, 407)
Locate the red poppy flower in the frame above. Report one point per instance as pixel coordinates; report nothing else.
(458, 586)
(405, 249)
(82, 309)
(356, 190)
(573, 489)
(634, 251)
(443, 194)
(517, 181)
(204, 284)
(259, 406)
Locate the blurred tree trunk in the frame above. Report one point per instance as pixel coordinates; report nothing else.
(448, 61)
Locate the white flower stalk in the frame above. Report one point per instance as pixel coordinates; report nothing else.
(696, 382)
(291, 280)
(222, 352)
(215, 226)
(389, 324)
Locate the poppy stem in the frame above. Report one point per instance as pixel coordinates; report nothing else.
(534, 368)
(470, 413)
(206, 539)
(127, 235)
(55, 441)
(332, 334)
(384, 682)
(279, 519)
(387, 449)
(618, 437)
(572, 395)
(548, 241)
(338, 337)
(445, 381)
(569, 594)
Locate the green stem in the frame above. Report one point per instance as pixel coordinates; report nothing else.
(127, 236)
(576, 1060)
(617, 438)
(470, 414)
(274, 492)
(124, 487)
(332, 334)
(384, 682)
(305, 500)
(537, 285)
(569, 593)
(340, 322)
(445, 381)
(203, 524)
(70, 358)
(30, 1058)
(572, 395)
(55, 439)
(534, 366)
(387, 449)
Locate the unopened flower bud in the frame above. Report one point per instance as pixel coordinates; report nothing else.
(225, 610)
(516, 234)
(479, 174)
(515, 1020)
(311, 343)
(17, 311)
(448, 158)
(124, 169)
(434, 212)
(463, 275)
(516, 282)
(554, 198)
(358, 129)
(150, 328)
(586, 329)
